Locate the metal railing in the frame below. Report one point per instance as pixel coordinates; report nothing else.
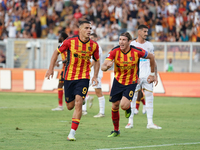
(36, 54)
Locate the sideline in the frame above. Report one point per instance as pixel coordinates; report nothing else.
(150, 146)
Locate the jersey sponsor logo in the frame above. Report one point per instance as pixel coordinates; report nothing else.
(82, 57)
(125, 67)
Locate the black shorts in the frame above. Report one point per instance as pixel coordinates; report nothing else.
(61, 79)
(118, 90)
(75, 87)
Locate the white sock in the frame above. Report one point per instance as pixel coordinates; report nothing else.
(101, 105)
(84, 107)
(133, 104)
(72, 131)
(149, 106)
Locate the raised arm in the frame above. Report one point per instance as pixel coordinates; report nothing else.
(52, 64)
(106, 65)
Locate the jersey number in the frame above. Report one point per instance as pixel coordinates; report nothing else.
(84, 90)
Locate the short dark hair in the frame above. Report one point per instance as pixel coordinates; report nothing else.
(82, 22)
(142, 26)
(64, 35)
(127, 34)
(94, 35)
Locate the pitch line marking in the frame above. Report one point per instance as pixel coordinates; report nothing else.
(150, 146)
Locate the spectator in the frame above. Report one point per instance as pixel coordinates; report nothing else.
(162, 37)
(159, 27)
(58, 7)
(33, 31)
(114, 36)
(12, 31)
(99, 31)
(17, 24)
(178, 37)
(171, 37)
(38, 27)
(181, 9)
(77, 14)
(171, 23)
(51, 35)
(115, 26)
(179, 22)
(184, 37)
(171, 8)
(192, 5)
(118, 12)
(30, 4)
(169, 67)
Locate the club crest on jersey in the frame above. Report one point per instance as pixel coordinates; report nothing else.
(89, 48)
(131, 58)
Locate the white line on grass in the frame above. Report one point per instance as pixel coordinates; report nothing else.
(62, 121)
(150, 146)
(3, 107)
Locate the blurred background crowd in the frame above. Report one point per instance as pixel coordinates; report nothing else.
(168, 20)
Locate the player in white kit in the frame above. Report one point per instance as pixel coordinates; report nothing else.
(144, 72)
(97, 88)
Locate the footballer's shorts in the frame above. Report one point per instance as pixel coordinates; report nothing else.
(61, 79)
(75, 87)
(143, 84)
(118, 90)
(98, 86)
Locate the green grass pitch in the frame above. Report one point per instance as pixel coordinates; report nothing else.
(27, 123)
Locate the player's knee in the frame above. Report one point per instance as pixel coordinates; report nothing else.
(125, 105)
(115, 105)
(98, 92)
(70, 107)
(149, 98)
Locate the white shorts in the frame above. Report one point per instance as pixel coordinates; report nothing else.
(98, 86)
(159, 28)
(144, 85)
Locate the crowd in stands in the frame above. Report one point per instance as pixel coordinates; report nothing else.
(168, 20)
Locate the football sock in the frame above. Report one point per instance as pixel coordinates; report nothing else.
(130, 120)
(133, 106)
(149, 106)
(115, 119)
(75, 123)
(137, 104)
(84, 107)
(143, 100)
(102, 104)
(60, 96)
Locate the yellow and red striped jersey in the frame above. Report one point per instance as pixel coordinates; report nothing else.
(78, 57)
(64, 56)
(126, 67)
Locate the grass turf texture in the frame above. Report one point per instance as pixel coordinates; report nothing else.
(27, 122)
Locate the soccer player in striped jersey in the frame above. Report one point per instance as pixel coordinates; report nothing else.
(145, 71)
(97, 88)
(77, 71)
(62, 37)
(126, 68)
